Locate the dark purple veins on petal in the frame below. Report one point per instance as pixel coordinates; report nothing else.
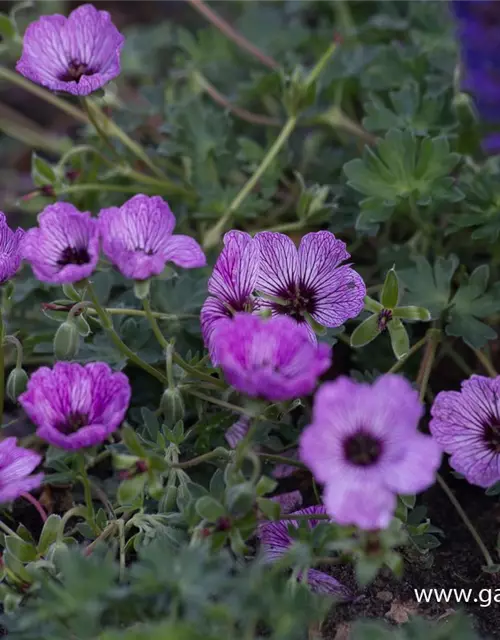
(362, 449)
(75, 71)
(74, 422)
(74, 255)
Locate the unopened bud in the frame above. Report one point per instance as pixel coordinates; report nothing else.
(66, 341)
(172, 406)
(16, 383)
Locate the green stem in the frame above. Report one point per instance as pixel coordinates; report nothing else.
(271, 457)
(8, 530)
(121, 539)
(21, 81)
(213, 235)
(134, 147)
(444, 486)
(165, 188)
(104, 535)
(219, 403)
(457, 359)
(400, 363)
(485, 361)
(218, 452)
(176, 358)
(103, 135)
(72, 513)
(154, 324)
(118, 311)
(18, 347)
(433, 337)
(87, 491)
(117, 341)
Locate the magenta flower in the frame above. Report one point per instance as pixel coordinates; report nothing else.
(76, 406)
(16, 465)
(276, 541)
(10, 250)
(310, 281)
(78, 54)
(272, 359)
(363, 445)
(64, 247)
(466, 424)
(231, 284)
(137, 238)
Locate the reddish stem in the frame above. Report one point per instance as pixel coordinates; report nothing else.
(36, 504)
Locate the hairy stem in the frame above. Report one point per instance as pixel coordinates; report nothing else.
(229, 31)
(117, 341)
(400, 363)
(272, 457)
(218, 452)
(486, 362)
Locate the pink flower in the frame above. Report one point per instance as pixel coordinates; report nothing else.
(269, 358)
(78, 54)
(16, 466)
(137, 238)
(76, 406)
(363, 445)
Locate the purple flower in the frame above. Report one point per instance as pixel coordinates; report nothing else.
(311, 281)
(272, 359)
(65, 245)
(78, 54)
(478, 31)
(276, 541)
(232, 283)
(137, 238)
(466, 424)
(10, 250)
(237, 431)
(363, 444)
(76, 406)
(286, 470)
(16, 465)
(289, 501)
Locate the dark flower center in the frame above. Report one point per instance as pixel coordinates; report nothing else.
(362, 449)
(74, 255)
(384, 317)
(491, 434)
(75, 71)
(299, 300)
(74, 422)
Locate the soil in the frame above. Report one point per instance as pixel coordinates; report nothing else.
(456, 564)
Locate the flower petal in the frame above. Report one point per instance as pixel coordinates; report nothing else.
(184, 251)
(279, 263)
(236, 271)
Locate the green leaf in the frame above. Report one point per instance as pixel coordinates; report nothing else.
(412, 313)
(401, 166)
(265, 485)
(240, 499)
(429, 286)
(24, 551)
(372, 305)
(131, 488)
(132, 442)
(364, 333)
(471, 302)
(42, 172)
(7, 27)
(400, 341)
(210, 508)
(390, 291)
(49, 533)
(270, 508)
(408, 500)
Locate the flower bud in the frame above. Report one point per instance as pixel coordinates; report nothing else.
(16, 383)
(172, 406)
(66, 341)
